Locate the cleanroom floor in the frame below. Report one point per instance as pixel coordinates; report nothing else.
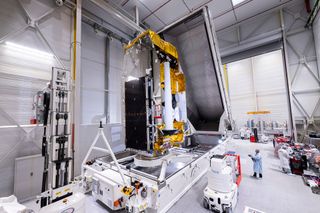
(275, 193)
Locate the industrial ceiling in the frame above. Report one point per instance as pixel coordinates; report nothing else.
(157, 14)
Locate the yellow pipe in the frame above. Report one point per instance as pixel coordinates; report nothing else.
(225, 72)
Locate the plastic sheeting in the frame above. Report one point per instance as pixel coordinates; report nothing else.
(136, 61)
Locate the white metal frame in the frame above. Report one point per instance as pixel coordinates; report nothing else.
(107, 151)
(167, 190)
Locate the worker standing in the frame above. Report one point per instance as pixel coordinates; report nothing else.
(284, 159)
(257, 164)
(242, 133)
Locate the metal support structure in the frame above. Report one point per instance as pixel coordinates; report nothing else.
(137, 15)
(179, 20)
(117, 15)
(43, 38)
(313, 14)
(112, 31)
(162, 175)
(23, 139)
(108, 150)
(292, 124)
(106, 80)
(13, 34)
(217, 60)
(34, 23)
(300, 107)
(76, 75)
(255, 29)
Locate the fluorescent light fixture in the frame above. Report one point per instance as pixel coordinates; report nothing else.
(131, 78)
(236, 2)
(29, 51)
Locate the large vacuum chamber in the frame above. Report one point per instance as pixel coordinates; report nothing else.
(204, 96)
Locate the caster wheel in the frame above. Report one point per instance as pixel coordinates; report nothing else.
(228, 210)
(205, 204)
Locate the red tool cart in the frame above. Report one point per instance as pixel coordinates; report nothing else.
(238, 171)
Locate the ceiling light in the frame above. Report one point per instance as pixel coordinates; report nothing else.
(236, 2)
(131, 78)
(29, 51)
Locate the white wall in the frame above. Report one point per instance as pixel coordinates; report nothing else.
(93, 70)
(23, 74)
(115, 77)
(98, 79)
(241, 90)
(258, 84)
(270, 85)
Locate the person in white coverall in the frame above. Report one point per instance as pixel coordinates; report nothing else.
(284, 159)
(242, 133)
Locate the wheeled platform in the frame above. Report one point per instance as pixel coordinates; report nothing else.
(161, 186)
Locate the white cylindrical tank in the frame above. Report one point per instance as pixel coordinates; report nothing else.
(168, 116)
(183, 107)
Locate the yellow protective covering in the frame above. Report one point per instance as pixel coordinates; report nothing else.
(177, 86)
(258, 112)
(177, 80)
(175, 140)
(157, 41)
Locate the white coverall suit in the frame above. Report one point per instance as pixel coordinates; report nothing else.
(284, 160)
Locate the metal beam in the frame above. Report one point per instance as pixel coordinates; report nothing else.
(214, 47)
(76, 77)
(43, 38)
(14, 33)
(313, 14)
(254, 17)
(292, 125)
(137, 15)
(316, 108)
(253, 42)
(93, 19)
(257, 28)
(311, 72)
(308, 91)
(300, 107)
(117, 15)
(180, 20)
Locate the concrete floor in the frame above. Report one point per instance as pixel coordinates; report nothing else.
(275, 193)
